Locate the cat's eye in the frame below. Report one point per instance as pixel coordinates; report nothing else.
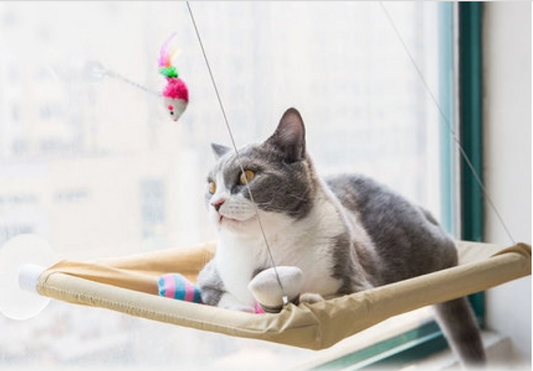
(212, 187)
(246, 177)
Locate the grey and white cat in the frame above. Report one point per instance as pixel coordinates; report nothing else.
(346, 233)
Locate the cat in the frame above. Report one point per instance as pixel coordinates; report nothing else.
(347, 233)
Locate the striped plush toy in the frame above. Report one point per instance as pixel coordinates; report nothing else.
(176, 286)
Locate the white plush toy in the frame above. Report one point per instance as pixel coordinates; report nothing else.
(266, 288)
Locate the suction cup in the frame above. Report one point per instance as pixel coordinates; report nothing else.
(94, 72)
(22, 259)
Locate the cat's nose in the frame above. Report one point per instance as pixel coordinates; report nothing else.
(218, 203)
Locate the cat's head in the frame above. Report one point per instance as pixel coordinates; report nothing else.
(279, 175)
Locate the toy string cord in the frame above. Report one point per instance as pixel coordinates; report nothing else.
(448, 124)
(95, 71)
(234, 145)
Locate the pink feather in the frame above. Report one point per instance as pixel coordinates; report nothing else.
(165, 55)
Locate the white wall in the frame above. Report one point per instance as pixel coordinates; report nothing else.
(507, 110)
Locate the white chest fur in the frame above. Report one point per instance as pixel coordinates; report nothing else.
(303, 243)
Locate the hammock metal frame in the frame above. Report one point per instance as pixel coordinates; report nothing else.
(129, 285)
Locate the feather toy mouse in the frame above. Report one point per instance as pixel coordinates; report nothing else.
(175, 93)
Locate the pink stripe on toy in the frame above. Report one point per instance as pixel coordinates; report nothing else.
(170, 286)
(258, 309)
(189, 291)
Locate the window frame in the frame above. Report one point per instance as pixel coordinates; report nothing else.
(471, 131)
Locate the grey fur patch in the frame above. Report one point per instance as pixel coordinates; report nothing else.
(407, 241)
(212, 287)
(343, 265)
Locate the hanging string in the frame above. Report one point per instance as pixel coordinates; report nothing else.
(94, 71)
(234, 145)
(450, 128)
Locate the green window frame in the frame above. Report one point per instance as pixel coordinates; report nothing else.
(428, 339)
(471, 131)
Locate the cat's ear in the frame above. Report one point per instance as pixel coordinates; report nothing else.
(290, 136)
(219, 150)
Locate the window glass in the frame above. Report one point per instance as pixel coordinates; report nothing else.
(90, 160)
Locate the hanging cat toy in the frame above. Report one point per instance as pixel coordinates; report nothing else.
(175, 93)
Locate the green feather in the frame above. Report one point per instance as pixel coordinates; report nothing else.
(169, 72)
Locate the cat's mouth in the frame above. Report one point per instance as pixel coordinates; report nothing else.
(229, 220)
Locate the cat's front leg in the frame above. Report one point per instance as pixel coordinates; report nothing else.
(210, 284)
(214, 293)
(229, 301)
(311, 298)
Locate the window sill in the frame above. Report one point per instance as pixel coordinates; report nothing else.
(497, 346)
(499, 355)
(348, 351)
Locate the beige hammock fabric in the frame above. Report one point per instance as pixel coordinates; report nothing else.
(129, 285)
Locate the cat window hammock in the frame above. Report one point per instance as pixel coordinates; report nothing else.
(130, 285)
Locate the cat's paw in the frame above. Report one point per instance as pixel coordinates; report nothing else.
(311, 298)
(228, 301)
